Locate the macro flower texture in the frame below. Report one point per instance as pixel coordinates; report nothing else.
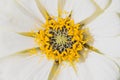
(59, 39)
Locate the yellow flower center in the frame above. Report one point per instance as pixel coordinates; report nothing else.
(62, 39)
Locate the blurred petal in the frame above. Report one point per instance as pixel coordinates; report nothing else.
(102, 68)
(115, 6)
(118, 15)
(53, 72)
(84, 72)
(82, 9)
(27, 11)
(29, 52)
(13, 18)
(109, 46)
(61, 4)
(105, 31)
(68, 8)
(25, 68)
(106, 25)
(42, 9)
(99, 11)
(32, 7)
(11, 42)
(51, 7)
(27, 34)
(66, 73)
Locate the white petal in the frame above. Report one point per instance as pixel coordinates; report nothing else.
(83, 72)
(11, 42)
(12, 18)
(109, 46)
(25, 68)
(51, 7)
(67, 73)
(102, 68)
(61, 4)
(105, 30)
(69, 6)
(82, 9)
(115, 6)
(32, 7)
(107, 25)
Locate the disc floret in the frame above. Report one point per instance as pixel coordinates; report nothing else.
(62, 39)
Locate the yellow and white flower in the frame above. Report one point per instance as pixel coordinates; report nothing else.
(59, 40)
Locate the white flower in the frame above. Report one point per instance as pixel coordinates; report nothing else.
(24, 17)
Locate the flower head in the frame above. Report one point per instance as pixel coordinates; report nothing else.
(62, 39)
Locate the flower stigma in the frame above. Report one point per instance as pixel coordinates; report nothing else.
(62, 39)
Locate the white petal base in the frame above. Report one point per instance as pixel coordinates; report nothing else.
(25, 68)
